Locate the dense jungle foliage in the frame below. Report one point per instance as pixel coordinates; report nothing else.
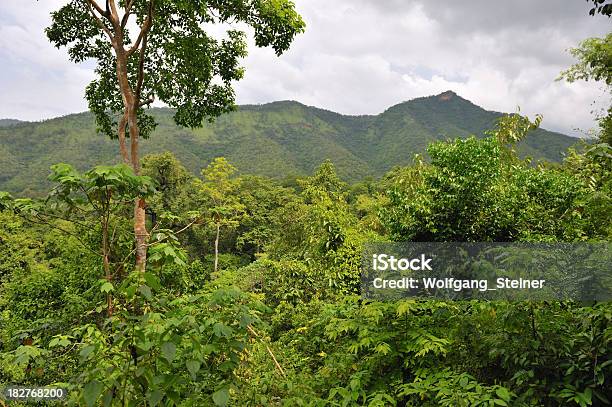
(252, 292)
(142, 284)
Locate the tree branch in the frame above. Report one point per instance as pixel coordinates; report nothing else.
(42, 221)
(122, 262)
(126, 16)
(91, 4)
(144, 30)
(95, 5)
(147, 102)
(175, 233)
(112, 12)
(140, 78)
(278, 366)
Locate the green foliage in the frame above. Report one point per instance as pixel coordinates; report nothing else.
(447, 388)
(478, 190)
(219, 193)
(280, 322)
(170, 178)
(594, 61)
(184, 278)
(98, 185)
(44, 294)
(182, 63)
(288, 139)
(322, 231)
(157, 357)
(262, 198)
(289, 281)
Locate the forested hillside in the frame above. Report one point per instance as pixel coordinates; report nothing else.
(253, 296)
(202, 256)
(287, 138)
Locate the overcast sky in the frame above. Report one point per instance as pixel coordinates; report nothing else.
(357, 57)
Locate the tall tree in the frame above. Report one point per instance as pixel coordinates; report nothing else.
(161, 49)
(220, 191)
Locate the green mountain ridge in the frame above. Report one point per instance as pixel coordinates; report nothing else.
(10, 122)
(276, 139)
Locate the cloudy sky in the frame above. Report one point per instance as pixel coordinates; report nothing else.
(357, 57)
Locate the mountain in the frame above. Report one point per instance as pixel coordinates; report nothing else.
(275, 139)
(9, 122)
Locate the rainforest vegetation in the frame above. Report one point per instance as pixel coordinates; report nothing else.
(145, 283)
(251, 292)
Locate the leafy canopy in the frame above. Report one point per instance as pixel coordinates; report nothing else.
(182, 64)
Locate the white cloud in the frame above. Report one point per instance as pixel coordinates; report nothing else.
(37, 80)
(360, 57)
(357, 57)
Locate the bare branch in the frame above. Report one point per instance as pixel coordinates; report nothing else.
(278, 366)
(95, 5)
(122, 262)
(112, 238)
(67, 220)
(147, 102)
(128, 10)
(144, 30)
(42, 221)
(91, 4)
(113, 14)
(176, 233)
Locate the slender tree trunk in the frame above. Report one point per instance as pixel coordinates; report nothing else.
(107, 272)
(141, 234)
(140, 227)
(217, 248)
(122, 146)
(109, 296)
(131, 103)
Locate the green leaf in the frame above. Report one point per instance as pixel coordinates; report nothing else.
(503, 393)
(84, 353)
(145, 290)
(152, 280)
(91, 392)
(404, 308)
(106, 287)
(221, 397)
(222, 330)
(107, 400)
(193, 366)
(155, 397)
(168, 350)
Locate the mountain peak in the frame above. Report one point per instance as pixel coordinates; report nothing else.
(445, 96)
(294, 139)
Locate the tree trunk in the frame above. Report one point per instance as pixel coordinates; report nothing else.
(107, 272)
(141, 234)
(217, 248)
(140, 227)
(131, 103)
